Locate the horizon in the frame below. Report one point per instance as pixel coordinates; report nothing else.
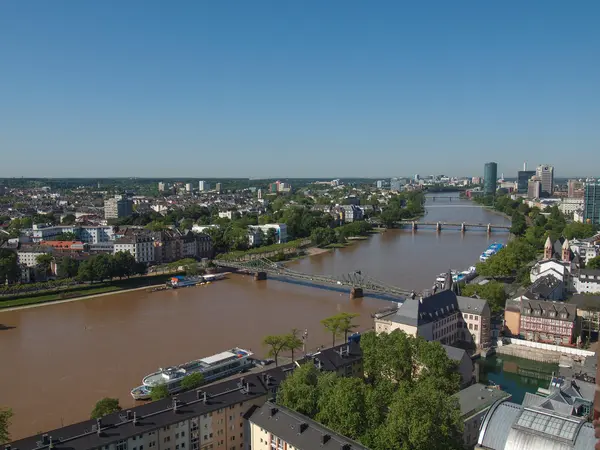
(144, 89)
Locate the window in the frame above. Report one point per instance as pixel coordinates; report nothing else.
(476, 326)
(121, 445)
(176, 435)
(167, 439)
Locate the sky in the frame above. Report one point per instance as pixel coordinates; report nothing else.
(336, 88)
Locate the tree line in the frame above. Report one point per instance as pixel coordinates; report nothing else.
(403, 206)
(105, 267)
(404, 401)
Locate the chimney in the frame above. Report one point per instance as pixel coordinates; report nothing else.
(99, 426)
(198, 394)
(273, 411)
(247, 388)
(324, 439)
(303, 427)
(128, 414)
(175, 404)
(50, 443)
(135, 419)
(205, 398)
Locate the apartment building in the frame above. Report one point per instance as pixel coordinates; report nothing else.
(117, 207)
(547, 321)
(274, 427)
(280, 230)
(139, 243)
(475, 401)
(443, 317)
(587, 281)
(27, 256)
(87, 234)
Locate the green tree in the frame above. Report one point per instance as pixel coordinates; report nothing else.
(293, 342)
(518, 224)
(577, 230)
(5, 416)
(67, 267)
(321, 237)
(299, 390)
(271, 237)
(276, 344)
(105, 406)
(102, 266)
(123, 264)
(192, 381)
(593, 263)
(332, 324)
(9, 267)
(159, 391)
(44, 262)
(69, 219)
(492, 291)
(85, 272)
(347, 323)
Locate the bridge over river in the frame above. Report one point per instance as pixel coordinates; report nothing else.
(358, 282)
(462, 226)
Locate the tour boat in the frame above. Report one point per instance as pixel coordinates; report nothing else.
(212, 368)
(490, 251)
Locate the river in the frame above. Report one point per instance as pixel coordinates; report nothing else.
(58, 360)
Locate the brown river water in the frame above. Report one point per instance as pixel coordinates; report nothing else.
(58, 360)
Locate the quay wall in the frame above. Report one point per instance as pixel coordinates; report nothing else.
(538, 351)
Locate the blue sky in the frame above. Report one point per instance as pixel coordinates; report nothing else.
(297, 89)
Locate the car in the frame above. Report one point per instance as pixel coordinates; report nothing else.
(266, 362)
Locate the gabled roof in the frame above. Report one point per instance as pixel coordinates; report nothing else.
(543, 287)
(546, 307)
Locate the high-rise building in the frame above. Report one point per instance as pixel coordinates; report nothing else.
(117, 207)
(218, 187)
(523, 177)
(379, 184)
(546, 175)
(575, 189)
(534, 188)
(188, 187)
(490, 178)
(161, 187)
(203, 186)
(259, 194)
(591, 203)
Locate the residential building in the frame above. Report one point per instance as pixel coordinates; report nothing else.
(475, 401)
(547, 321)
(575, 189)
(587, 281)
(259, 194)
(218, 187)
(584, 249)
(345, 360)
(591, 198)
(395, 185)
(280, 230)
(275, 427)
(140, 243)
(117, 207)
(350, 213)
(27, 256)
(568, 396)
(379, 184)
(87, 234)
(510, 426)
(464, 364)
(523, 177)
(490, 178)
(161, 187)
(443, 317)
(534, 188)
(568, 206)
(188, 187)
(203, 186)
(546, 175)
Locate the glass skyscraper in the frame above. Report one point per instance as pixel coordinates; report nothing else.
(490, 177)
(523, 177)
(591, 203)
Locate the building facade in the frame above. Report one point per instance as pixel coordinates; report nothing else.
(523, 177)
(87, 234)
(490, 178)
(587, 281)
(139, 243)
(591, 199)
(548, 322)
(117, 207)
(546, 175)
(534, 188)
(575, 189)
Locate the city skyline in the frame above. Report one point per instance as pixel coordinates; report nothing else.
(311, 90)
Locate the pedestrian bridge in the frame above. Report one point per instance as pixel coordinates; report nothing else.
(356, 281)
(462, 226)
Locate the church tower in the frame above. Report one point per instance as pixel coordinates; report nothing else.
(566, 251)
(548, 249)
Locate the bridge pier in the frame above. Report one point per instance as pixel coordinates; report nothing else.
(463, 228)
(414, 226)
(356, 292)
(489, 228)
(438, 227)
(260, 276)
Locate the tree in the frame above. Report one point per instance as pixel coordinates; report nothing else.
(105, 406)
(192, 381)
(271, 237)
(159, 391)
(9, 267)
(102, 266)
(123, 264)
(332, 324)
(66, 267)
(518, 224)
(293, 342)
(346, 323)
(321, 237)
(43, 263)
(593, 263)
(492, 291)
(299, 390)
(276, 343)
(85, 272)
(69, 219)
(5, 416)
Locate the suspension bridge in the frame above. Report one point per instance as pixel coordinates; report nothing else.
(357, 281)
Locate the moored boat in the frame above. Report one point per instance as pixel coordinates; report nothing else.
(490, 251)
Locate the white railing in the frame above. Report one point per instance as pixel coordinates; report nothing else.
(550, 347)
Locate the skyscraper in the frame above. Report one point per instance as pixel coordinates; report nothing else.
(203, 185)
(546, 175)
(575, 189)
(534, 188)
(523, 177)
(490, 177)
(591, 203)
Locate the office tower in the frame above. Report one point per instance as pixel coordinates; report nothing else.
(417, 177)
(188, 187)
(523, 177)
(161, 187)
(534, 187)
(379, 184)
(259, 194)
(490, 177)
(546, 175)
(203, 185)
(575, 189)
(591, 203)
(218, 187)
(117, 207)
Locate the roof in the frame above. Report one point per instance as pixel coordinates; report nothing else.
(298, 430)
(546, 307)
(471, 304)
(543, 288)
(511, 426)
(150, 416)
(477, 397)
(425, 310)
(331, 359)
(586, 301)
(454, 353)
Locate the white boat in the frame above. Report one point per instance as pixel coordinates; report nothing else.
(212, 368)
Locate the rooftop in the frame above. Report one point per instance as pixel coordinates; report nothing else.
(478, 397)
